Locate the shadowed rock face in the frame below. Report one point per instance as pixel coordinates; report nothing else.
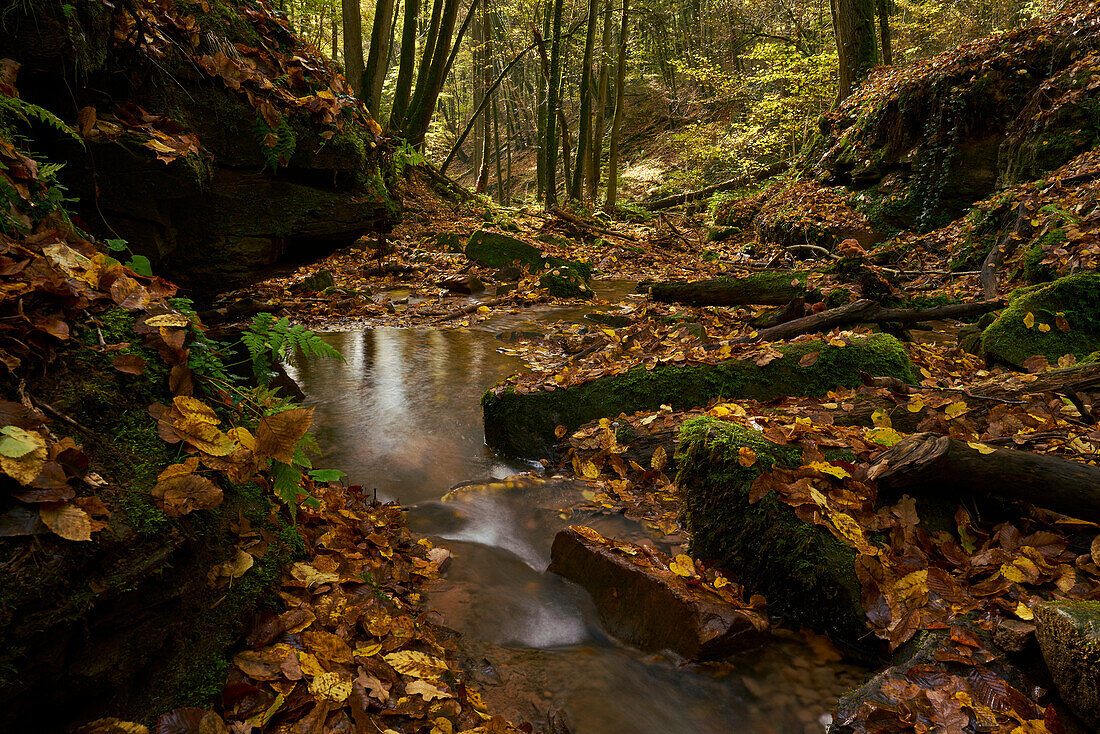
(1069, 636)
(286, 170)
(651, 607)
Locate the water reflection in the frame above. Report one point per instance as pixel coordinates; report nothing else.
(403, 415)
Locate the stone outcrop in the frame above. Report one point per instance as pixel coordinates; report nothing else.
(1069, 636)
(217, 162)
(642, 602)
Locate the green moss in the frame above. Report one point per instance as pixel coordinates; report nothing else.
(563, 282)
(496, 250)
(1010, 341)
(806, 574)
(1034, 269)
(523, 424)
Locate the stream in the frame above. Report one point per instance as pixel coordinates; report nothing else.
(403, 416)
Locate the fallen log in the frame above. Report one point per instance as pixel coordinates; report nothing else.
(862, 311)
(728, 185)
(767, 289)
(589, 226)
(472, 308)
(952, 466)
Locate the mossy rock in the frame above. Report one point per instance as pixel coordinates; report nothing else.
(806, 574)
(1034, 269)
(1069, 636)
(1076, 297)
(563, 282)
(523, 424)
(497, 250)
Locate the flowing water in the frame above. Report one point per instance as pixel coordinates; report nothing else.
(403, 416)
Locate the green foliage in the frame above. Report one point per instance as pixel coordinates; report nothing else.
(270, 341)
(276, 143)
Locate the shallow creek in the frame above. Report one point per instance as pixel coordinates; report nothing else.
(403, 416)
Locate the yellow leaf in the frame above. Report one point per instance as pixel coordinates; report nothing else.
(831, 469)
(1024, 612)
(916, 404)
(241, 435)
(416, 664)
(721, 581)
(955, 410)
(277, 435)
(590, 470)
(169, 320)
(659, 458)
(884, 436)
(746, 456)
(483, 309)
(179, 470)
(682, 566)
(334, 686)
(1029, 320)
(1012, 573)
(67, 520)
(981, 448)
(32, 455)
(426, 690)
(369, 650)
(851, 531)
(881, 419)
(1044, 328)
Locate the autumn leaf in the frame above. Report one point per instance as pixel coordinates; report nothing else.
(130, 364)
(808, 360)
(1029, 320)
(179, 495)
(194, 409)
(659, 458)
(826, 467)
(67, 520)
(334, 686)
(746, 457)
(277, 435)
(416, 664)
(682, 566)
(425, 690)
(29, 449)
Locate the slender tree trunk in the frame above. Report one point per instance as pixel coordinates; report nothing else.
(541, 102)
(425, 58)
(884, 7)
(353, 46)
(405, 70)
(496, 148)
(424, 103)
(584, 127)
(593, 187)
(854, 28)
(617, 121)
(552, 108)
(375, 74)
(483, 58)
(335, 39)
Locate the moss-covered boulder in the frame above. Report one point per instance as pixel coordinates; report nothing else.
(1053, 320)
(497, 250)
(564, 282)
(1069, 636)
(523, 424)
(806, 574)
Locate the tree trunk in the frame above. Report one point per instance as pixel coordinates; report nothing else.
(885, 45)
(484, 57)
(375, 74)
(335, 39)
(353, 46)
(403, 88)
(617, 120)
(854, 28)
(424, 102)
(496, 147)
(552, 107)
(927, 462)
(593, 181)
(584, 126)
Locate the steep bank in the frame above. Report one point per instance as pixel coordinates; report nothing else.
(214, 140)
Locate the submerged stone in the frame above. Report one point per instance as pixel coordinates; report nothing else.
(651, 607)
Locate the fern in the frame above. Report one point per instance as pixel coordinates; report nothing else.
(27, 113)
(270, 341)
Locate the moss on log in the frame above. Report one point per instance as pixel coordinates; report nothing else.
(1064, 318)
(772, 289)
(497, 250)
(523, 424)
(806, 574)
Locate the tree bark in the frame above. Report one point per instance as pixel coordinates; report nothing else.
(885, 44)
(617, 121)
(552, 108)
(486, 57)
(403, 88)
(854, 28)
(593, 174)
(584, 126)
(374, 77)
(353, 45)
(424, 101)
(929, 462)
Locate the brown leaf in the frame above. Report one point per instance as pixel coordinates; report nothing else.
(277, 435)
(809, 359)
(180, 495)
(67, 520)
(131, 364)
